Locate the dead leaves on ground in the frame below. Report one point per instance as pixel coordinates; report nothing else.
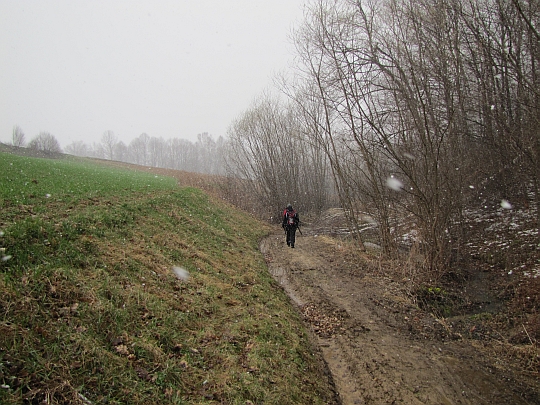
(326, 322)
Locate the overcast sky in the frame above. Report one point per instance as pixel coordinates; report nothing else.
(170, 68)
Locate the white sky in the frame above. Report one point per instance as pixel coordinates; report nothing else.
(170, 68)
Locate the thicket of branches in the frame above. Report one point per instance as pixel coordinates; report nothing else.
(267, 148)
(422, 108)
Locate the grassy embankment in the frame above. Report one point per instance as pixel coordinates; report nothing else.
(91, 311)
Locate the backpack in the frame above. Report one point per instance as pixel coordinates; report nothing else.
(291, 215)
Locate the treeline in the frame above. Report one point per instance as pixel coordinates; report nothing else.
(399, 109)
(416, 109)
(205, 155)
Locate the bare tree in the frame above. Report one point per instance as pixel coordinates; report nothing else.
(180, 153)
(138, 149)
(121, 151)
(206, 149)
(78, 148)
(253, 153)
(505, 55)
(45, 142)
(219, 156)
(109, 141)
(267, 148)
(157, 152)
(390, 79)
(18, 138)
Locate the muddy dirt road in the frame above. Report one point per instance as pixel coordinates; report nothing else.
(380, 348)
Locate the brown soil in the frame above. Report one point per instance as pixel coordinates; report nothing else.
(379, 346)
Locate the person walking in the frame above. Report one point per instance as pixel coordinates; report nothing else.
(289, 224)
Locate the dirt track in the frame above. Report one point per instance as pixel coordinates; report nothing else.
(379, 347)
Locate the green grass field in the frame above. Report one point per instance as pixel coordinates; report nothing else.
(27, 180)
(91, 311)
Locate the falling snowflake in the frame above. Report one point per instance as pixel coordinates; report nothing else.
(181, 273)
(394, 183)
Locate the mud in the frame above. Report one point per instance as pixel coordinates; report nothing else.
(379, 347)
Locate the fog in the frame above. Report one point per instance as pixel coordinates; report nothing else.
(171, 69)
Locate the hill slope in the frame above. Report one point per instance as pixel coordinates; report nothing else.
(120, 287)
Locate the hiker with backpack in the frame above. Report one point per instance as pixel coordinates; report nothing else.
(290, 224)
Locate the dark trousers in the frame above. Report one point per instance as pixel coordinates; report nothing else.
(291, 234)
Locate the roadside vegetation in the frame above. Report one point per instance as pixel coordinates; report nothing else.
(119, 286)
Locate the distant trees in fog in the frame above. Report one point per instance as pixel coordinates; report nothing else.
(18, 138)
(45, 142)
(202, 156)
(78, 148)
(108, 143)
(205, 155)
